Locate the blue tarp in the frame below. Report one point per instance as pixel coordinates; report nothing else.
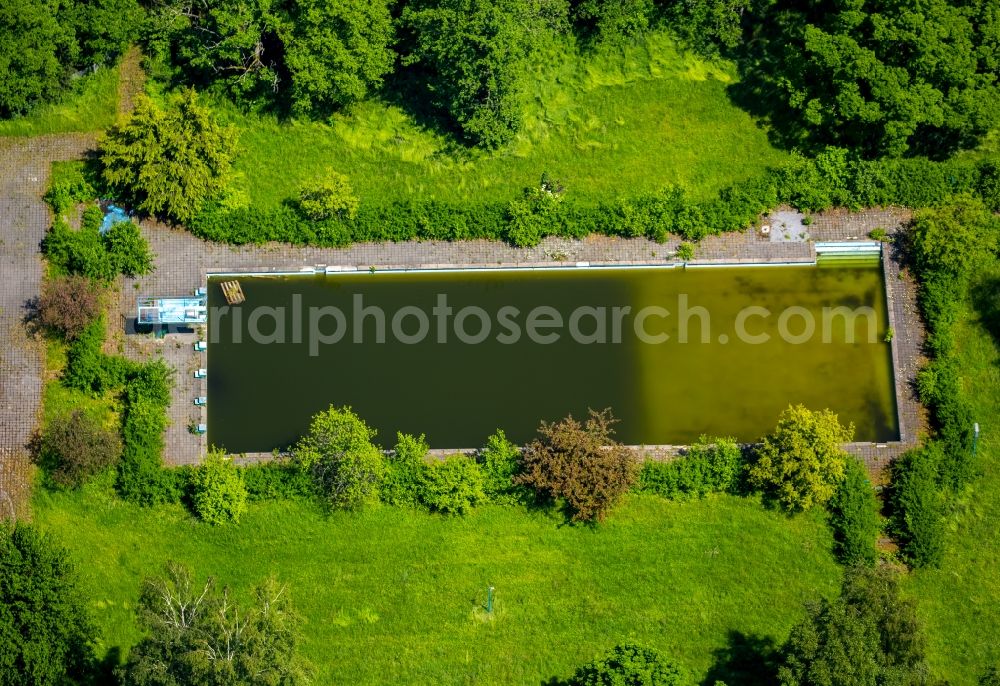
(112, 216)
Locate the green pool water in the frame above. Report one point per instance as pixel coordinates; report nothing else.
(676, 353)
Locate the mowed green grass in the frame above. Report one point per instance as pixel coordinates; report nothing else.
(393, 595)
(620, 122)
(91, 105)
(960, 602)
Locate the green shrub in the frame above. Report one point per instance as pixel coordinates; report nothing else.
(88, 368)
(404, 470)
(854, 517)
(685, 252)
(127, 249)
(346, 467)
(918, 505)
(628, 664)
(67, 188)
(328, 198)
(218, 494)
(276, 480)
(122, 250)
(710, 466)
(801, 462)
(990, 678)
(500, 462)
(452, 486)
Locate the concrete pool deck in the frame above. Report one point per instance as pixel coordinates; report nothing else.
(184, 261)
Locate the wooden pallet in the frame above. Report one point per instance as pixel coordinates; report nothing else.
(233, 292)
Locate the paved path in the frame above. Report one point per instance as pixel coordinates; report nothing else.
(24, 218)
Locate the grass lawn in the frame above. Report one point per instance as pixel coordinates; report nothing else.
(90, 106)
(619, 122)
(960, 602)
(393, 595)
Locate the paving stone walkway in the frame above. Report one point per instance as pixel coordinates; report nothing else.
(24, 218)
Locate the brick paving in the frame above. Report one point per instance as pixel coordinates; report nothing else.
(24, 218)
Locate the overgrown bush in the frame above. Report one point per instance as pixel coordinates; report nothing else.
(801, 462)
(346, 467)
(328, 198)
(141, 477)
(218, 494)
(68, 187)
(854, 517)
(500, 462)
(88, 368)
(453, 485)
(580, 465)
(168, 161)
(918, 505)
(127, 249)
(74, 448)
(710, 466)
(628, 664)
(276, 480)
(404, 470)
(67, 305)
(122, 250)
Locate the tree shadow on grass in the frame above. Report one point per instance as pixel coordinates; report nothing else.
(746, 660)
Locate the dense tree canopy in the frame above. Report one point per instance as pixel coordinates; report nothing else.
(45, 633)
(889, 77)
(476, 53)
(337, 52)
(42, 42)
(869, 635)
(37, 51)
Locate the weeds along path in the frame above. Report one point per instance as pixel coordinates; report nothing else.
(25, 164)
(131, 79)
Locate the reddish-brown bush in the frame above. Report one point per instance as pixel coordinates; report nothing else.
(75, 447)
(67, 305)
(581, 464)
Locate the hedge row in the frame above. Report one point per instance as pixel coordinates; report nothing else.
(832, 179)
(950, 247)
(145, 393)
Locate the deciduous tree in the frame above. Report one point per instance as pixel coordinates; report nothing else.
(45, 633)
(347, 468)
(198, 636)
(76, 447)
(869, 635)
(802, 461)
(580, 464)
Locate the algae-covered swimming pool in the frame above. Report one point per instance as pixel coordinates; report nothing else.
(676, 353)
